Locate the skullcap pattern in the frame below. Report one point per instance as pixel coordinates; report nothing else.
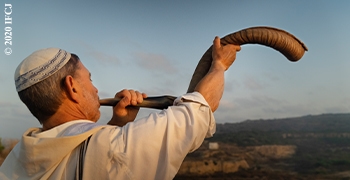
(39, 66)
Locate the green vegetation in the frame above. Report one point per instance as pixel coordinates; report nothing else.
(250, 138)
(314, 155)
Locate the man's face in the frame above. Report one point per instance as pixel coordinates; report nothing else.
(90, 99)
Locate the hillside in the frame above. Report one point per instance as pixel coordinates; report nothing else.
(308, 147)
(310, 123)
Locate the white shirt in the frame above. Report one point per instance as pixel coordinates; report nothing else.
(148, 148)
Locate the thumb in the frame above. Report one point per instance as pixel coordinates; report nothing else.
(216, 42)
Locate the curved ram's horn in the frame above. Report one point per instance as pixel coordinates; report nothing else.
(282, 41)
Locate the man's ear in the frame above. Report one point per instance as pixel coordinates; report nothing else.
(71, 88)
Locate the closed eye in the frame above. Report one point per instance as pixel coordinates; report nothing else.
(90, 77)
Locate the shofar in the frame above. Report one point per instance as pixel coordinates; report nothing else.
(287, 44)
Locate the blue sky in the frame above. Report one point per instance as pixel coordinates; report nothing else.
(154, 47)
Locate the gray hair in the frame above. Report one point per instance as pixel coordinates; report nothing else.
(44, 98)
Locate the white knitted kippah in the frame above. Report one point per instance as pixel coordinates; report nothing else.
(39, 65)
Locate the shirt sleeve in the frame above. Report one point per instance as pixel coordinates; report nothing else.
(155, 146)
(196, 97)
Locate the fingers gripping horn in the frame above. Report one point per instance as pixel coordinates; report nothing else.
(287, 44)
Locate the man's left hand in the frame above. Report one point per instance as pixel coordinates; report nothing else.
(125, 111)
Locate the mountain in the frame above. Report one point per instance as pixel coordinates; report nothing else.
(307, 147)
(310, 123)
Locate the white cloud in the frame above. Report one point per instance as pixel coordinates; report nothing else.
(129, 42)
(231, 85)
(99, 56)
(226, 105)
(271, 76)
(257, 101)
(168, 86)
(254, 107)
(252, 83)
(103, 57)
(155, 62)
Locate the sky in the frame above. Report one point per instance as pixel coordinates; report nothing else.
(154, 47)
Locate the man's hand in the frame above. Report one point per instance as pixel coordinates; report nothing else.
(125, 111)
(223, 56)
(212, 84)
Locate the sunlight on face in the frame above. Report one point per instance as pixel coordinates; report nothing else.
(91, 103)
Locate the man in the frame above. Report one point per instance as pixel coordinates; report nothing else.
(57, 89)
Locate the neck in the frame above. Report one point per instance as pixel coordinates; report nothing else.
(65, 113)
